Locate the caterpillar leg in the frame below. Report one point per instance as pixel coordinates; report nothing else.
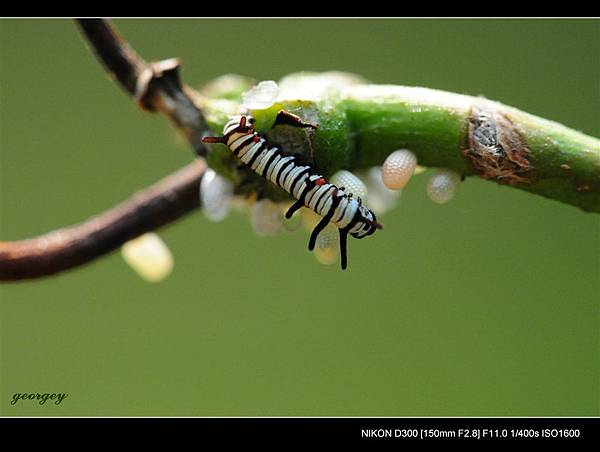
(297, 205)
(300, 202)
(343, 246)
(317, 230)
(324, 221)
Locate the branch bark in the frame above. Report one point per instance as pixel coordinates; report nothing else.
(166, 201)
(156, 87)
(117, 56)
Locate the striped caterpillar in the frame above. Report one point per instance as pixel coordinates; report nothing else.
(308, 188)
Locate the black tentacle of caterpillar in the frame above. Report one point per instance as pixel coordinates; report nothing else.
(308, 188)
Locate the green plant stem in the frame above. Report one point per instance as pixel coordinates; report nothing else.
(359, 126)
(565, 164)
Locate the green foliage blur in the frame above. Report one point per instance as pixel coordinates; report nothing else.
(487, 305)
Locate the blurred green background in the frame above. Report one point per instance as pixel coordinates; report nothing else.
(487, 305)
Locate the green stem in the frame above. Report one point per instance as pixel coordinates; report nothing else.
(360, 125)
(564, 163)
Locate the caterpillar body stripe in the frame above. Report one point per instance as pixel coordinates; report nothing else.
(302, 182)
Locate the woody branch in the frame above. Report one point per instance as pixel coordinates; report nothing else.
(156, 87)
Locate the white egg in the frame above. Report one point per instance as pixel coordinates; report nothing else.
(327, 246)
(291, 224)
(266, 218)
(149, 256)
(330, 236)
(260, 96)
(442, 185)
(381, 199)
(350, 182)
(216, 193)
(398, 168)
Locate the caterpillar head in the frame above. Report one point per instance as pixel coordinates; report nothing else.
(368, 223)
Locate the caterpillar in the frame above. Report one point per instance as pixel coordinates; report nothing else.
(309, 189)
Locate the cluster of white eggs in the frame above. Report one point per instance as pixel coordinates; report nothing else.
(401, 165)
(379, 187)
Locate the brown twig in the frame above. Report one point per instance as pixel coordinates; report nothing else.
(156, 87)
(118, 58)
(162, 203)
